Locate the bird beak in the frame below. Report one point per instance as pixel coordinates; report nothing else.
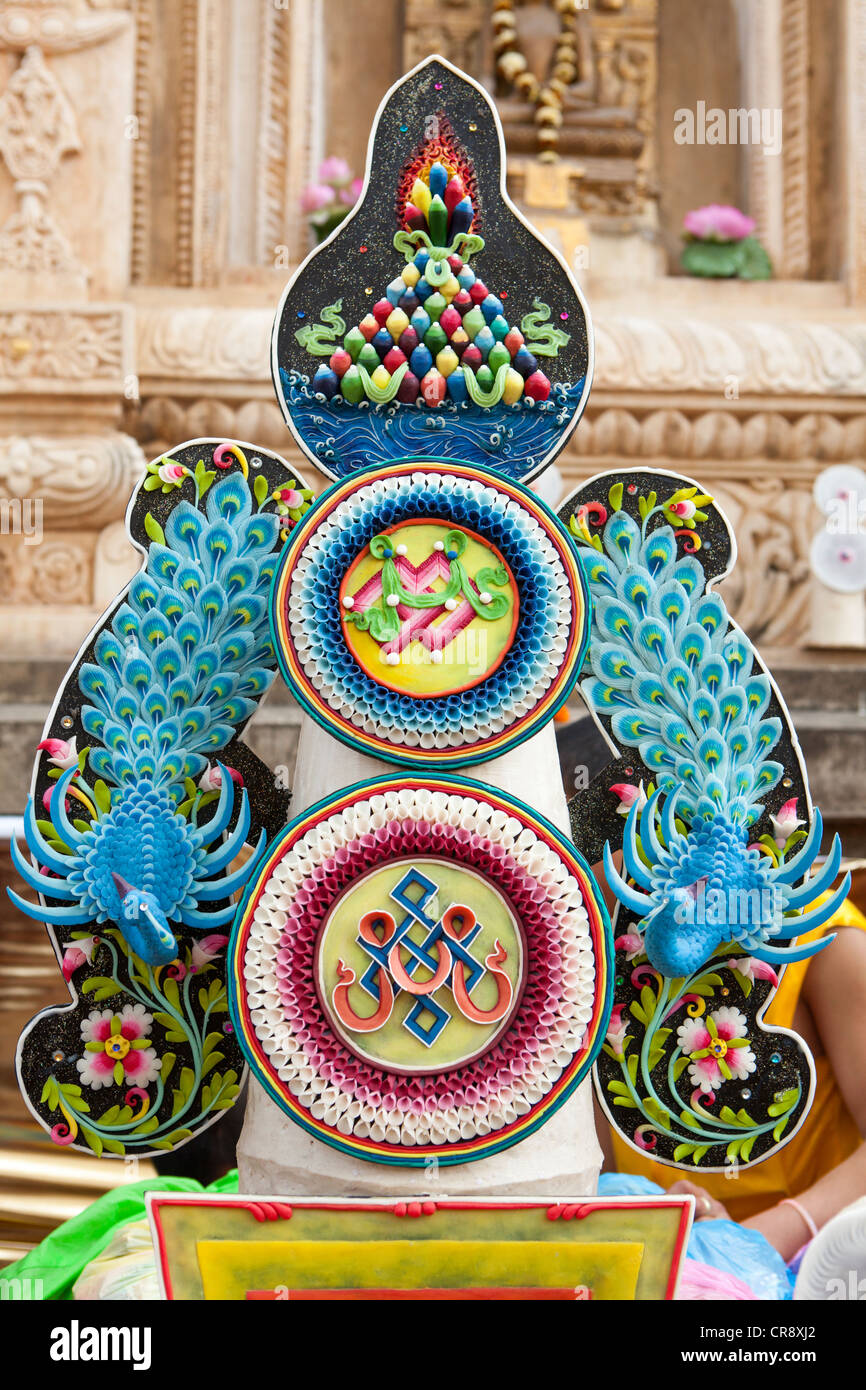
(164, 933)
(121, 884)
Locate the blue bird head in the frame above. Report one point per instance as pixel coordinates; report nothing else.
(696, 889)
(144, 924)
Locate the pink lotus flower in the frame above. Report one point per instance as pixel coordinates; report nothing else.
(717, 1048)
(315, 197)
(718, 222)
(754, 969)
(171, 473)
(334, 170)
(786, 822)
(350, 195)
(116, 1047)
(78, 953)
(617, 1030)
(207, 949)
(628, 794)
(631, 943)
(212, 779)
(61, 753)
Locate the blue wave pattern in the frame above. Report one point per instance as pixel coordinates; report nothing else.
(462, 503)
(513, 439)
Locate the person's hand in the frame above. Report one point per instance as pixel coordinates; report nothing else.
(706, 1207)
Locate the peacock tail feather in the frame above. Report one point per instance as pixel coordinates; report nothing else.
(182, 665)
(188, 655)
(674, 678)
(677, 682)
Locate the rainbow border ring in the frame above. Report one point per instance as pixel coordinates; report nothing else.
(526, 688)
(468, 1111)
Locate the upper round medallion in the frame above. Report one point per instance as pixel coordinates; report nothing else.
(437, 615)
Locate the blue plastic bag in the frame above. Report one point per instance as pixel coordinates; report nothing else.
(723, 1244)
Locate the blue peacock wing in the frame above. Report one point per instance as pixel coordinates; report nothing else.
(135, 855)
(714, 886)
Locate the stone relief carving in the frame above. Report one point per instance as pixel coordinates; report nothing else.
(766, 440)
(60, 26)
(85, 479)
(77, 345)
(58, 570)
(228, 344)
(453, 29)
(63, 568)
(769, 590)
(37, 129)
(775, 358)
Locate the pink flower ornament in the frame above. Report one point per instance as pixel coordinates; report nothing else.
(117, 1048)
(290, 496)
(628, 794)
(754, 969)
(717, 1048)
(684, 509)
(61, 753)
(786, 822)
(207, 948)
(631, 943)
(617, 1031)
(76, 954)
(718, 222)
(212, 779)
(171, 473)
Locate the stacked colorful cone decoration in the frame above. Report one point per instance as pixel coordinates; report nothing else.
(438, 332)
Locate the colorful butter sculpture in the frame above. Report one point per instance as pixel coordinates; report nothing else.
(435, 322)
(436, 615)
(710, 805)
(420, 970)
(421, 967)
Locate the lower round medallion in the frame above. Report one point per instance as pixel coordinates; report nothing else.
(436, 615)
(420, 968)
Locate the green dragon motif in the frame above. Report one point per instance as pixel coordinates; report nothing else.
(542, 337)
(321, 339)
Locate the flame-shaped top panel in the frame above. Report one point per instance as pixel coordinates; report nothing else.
(434, 321)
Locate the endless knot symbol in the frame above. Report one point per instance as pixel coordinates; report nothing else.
(443, 951)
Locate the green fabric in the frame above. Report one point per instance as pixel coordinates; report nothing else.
(59, 1259)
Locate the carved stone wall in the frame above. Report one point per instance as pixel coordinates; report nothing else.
(152, 153)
